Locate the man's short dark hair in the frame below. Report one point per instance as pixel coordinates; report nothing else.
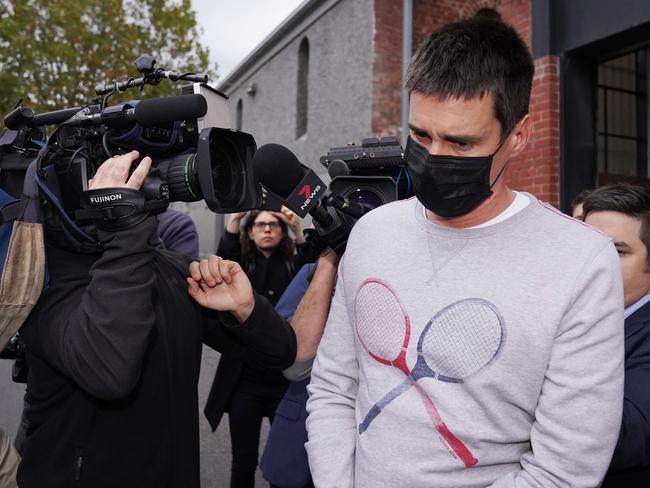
(474, 57)
(631, 200)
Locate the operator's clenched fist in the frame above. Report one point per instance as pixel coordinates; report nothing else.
(221, 285)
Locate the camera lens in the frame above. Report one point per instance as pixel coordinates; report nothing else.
(181, 175)
(228, 176)
(365, 196)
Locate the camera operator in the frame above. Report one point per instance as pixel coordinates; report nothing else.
(114, 348)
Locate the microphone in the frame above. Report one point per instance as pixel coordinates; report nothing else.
(338, 167)
(280, 172)
(277, 168)
(155, 111)
(150, 112)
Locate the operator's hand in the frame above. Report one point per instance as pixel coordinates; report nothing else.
(114, 172)
(293, 222)
(221, 285)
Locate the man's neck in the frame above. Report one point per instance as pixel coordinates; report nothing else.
(500, 200)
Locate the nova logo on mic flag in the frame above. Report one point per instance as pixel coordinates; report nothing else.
(307, 194)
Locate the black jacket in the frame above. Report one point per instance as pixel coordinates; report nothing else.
(269, 277)
(630, 466)
(114, 348)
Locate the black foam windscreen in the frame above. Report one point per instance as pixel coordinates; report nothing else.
(156, 111)
(277, 168)
(338, 167)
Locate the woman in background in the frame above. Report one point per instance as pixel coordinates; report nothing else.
(267, 254)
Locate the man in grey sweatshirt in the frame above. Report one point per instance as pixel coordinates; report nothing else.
(476, 335)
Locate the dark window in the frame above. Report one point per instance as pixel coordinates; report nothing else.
(302, 96)
(622, 118)
(240, 114)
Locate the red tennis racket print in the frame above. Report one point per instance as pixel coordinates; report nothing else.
(384, 330)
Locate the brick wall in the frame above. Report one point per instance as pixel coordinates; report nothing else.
(387, 68)
(537, 169)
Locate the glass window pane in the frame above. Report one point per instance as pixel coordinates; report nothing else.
(621, 156)
(600, 110)
(621, 113)
(619, 72)
(601, 154)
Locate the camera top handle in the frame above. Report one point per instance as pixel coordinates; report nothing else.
(149, 79)
(151, 76)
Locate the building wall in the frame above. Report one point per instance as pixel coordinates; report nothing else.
(537, 169)
(428, 15)
(340, 76)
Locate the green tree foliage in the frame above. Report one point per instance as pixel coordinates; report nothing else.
(54, 52)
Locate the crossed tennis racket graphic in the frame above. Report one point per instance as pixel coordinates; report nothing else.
(458, 341)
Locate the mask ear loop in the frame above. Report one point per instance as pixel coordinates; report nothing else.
(504, 166)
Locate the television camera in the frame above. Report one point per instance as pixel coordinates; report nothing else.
(362, 178)
(195, 153)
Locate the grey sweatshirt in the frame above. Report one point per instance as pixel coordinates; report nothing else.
(512, 374)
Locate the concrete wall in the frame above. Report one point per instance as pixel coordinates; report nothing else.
(208, 224)
(340, 85)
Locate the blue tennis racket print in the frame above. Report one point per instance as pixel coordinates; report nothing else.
(458, 341)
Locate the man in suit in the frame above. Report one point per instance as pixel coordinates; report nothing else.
(623, 213)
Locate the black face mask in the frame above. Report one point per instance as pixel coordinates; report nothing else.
(449, 186)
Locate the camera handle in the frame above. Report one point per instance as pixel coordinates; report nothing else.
(148, 79)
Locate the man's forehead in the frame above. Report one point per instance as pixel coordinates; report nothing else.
(457, 114)
(479, 98)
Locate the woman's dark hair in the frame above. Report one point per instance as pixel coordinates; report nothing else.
(474, 57)
(248, 248)
(631, 200)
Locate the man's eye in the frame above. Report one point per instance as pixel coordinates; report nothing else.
(421, 136)
(462, 146)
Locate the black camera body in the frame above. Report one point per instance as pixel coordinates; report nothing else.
(369, 175)
(195, 153)
(362, 179)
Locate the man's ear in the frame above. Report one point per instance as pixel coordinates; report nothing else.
(520, 135)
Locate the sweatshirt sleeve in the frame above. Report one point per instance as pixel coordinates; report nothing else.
(578, 415)
(97, 332)
(331, 424)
